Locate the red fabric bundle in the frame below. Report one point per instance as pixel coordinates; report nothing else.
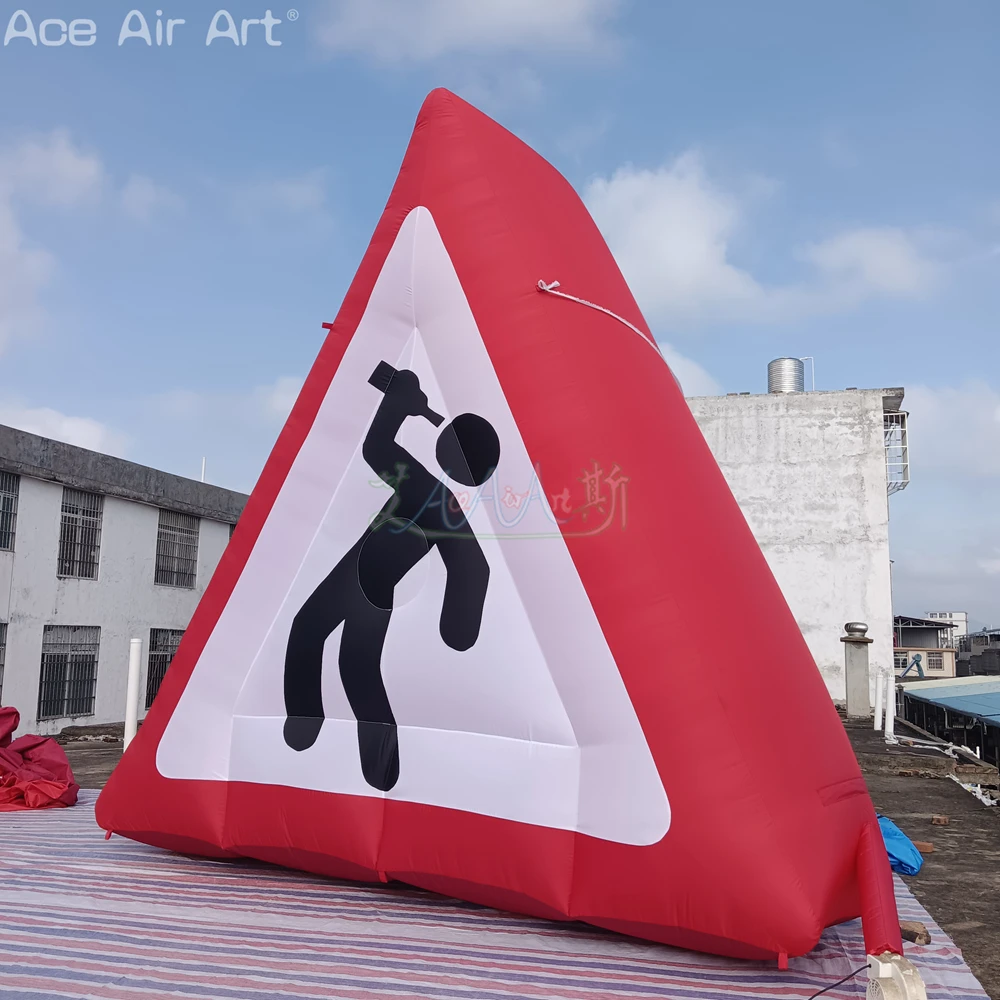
(34, 771)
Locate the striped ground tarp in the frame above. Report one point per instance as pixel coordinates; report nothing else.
(84, 917)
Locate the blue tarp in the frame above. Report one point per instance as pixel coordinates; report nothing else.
(903, 856)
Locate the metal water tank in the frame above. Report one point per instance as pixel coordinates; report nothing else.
(786, 375)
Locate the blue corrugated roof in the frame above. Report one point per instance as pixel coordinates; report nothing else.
(978, 699)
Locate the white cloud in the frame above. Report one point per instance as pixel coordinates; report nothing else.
(48, 170)
(52, 170)
(81, 431)
(392, 30)
(990, 566)
(278, 399)
(694, 380)
(24, 270)
(672, 231)
(306, 193)
(142, 198)
(302, 196)
(873, 260)
(955, 430)
(262, 404)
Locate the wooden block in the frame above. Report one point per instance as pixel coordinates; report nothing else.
(923, 846)
(939, 820)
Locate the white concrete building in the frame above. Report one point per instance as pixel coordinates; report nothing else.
(812, 472)
(95, 551)
(959, 619)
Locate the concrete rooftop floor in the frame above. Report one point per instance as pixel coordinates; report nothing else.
(959, 882)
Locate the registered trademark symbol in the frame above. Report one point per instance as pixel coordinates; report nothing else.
(292, 15)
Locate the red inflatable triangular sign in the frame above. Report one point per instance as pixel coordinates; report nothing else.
(469, 632)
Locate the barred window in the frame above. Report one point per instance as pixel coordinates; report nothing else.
(163, 643)
(9, 484)
(935, 661)
(69, 671)
(901, 659)
(176, 550)
(3, 655)
(80, 534)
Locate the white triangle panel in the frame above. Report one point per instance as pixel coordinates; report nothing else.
(531, 724)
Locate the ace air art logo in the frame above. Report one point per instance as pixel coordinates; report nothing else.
(138, 29)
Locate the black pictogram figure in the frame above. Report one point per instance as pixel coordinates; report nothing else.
(421, 514)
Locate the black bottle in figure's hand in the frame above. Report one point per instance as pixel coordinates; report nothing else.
(403, 389)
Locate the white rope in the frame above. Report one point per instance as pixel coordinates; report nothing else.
(551, 289)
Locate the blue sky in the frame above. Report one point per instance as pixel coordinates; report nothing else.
(774, 178)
